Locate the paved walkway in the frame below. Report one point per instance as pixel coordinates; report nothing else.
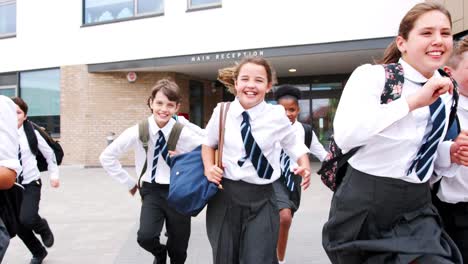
(95, 220)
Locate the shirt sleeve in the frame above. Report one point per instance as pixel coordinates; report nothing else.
(360, 115)
(443, 165)
(49, 155)
(189, 140)
(198, 130)
(212, 129)
(9, 135)
(317, 149)
(110, 156)
(292, 144)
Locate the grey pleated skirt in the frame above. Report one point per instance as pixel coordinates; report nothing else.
(384, 220)
(286, 198)
(242, 223)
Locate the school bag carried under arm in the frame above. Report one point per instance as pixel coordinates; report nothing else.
(335, 164)
(143, 135)
(29, 128)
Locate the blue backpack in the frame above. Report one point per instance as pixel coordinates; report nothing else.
(335, 164)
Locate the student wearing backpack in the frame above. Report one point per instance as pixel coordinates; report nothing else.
(9, 163)
(382, 210)
(452, 194)
(242, 220)
(30, 179)
(287, 187)
(164, 102)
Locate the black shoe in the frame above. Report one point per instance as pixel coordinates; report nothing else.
(161, 256)
(39, 259)
(47, 236)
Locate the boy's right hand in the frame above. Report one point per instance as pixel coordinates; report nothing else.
(133, 190)
(431, 90)
(214, 174)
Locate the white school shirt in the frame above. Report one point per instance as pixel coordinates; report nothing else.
(269, 125)
(454, 186)
(316, 148)
(9, 135)
(28, 159)
(390, 135)
(188, 141)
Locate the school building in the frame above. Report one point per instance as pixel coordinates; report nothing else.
(86, 67)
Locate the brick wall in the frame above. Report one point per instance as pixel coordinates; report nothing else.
(94, 104)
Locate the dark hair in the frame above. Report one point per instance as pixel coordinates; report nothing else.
(392, 53)
(460, 47)
(287, 91)
(227, 76)
(168, 88)
(21, 104)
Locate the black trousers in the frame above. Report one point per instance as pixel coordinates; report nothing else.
(154, 211)
(455, 220)
(30, 220)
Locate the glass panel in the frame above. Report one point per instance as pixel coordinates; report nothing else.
(323, 113)
(196, 103)
(196, 3)
(105, 10)
(41, 91)
(150, 6)
(8, 18)
(9, 92)
(326, 86)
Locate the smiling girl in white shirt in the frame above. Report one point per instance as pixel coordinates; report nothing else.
(382, 211)
(242, 219)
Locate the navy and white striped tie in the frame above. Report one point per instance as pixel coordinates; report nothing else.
(253, 151)
(20, 177)
(286, 174)
(160, 149)
(426, 153)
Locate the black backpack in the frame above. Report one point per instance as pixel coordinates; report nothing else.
(308, 134)
(335, 164)
(29, 128)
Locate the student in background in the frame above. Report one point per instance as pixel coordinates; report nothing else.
(288, 186)
(9, 164)
(242, 219)
(30, 179)
(164, 102)
(452, 195)
(382, 211)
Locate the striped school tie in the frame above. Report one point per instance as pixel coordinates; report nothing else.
(286, 174)
(426, 153)
(253, 151)
(159, 148)
(20, 177)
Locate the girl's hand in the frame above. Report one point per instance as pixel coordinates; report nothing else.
(54, 183)
(459, 149)
(214, 174)
(172, 153)
(305, 174)
(133, 190)
(428, 94)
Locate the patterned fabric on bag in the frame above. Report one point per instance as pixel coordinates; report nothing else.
(335, 164)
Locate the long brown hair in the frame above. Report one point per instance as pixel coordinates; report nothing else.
(228, 76)
(392, 53)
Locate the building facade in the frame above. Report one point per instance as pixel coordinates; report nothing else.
(86, 67)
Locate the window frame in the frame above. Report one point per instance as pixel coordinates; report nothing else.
(13, 34)
(135, 16)
(191, 7)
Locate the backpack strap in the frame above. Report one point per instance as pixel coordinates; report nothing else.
(174, 136)
(394, 80)
(143, 135)
(31, 136)
(453, 109)
(308, 134)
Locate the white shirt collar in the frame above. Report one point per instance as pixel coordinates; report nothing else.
(412, 74)
(154, 128)
(237, 109)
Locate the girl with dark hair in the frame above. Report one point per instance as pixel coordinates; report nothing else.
(382, 210)
(287, 188)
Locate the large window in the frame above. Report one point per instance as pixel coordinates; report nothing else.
(8, 84)
(7, 18)
(98, 11)
(202, 4)
(41, 91)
